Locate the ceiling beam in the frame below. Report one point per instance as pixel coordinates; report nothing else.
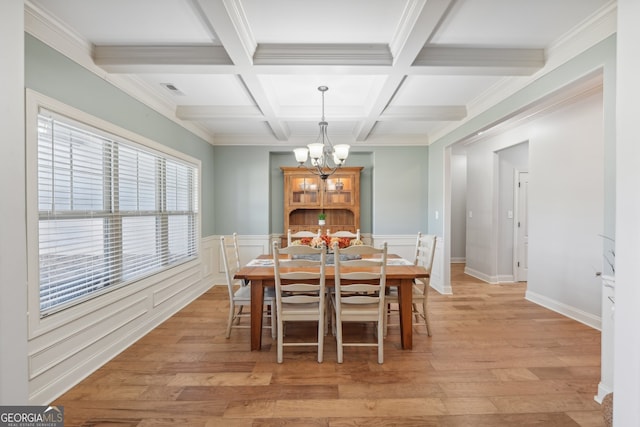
(420, 20)
(209, 112)
(322, 54)
(467, 60)
(425, 113)
(233, 31)
(132, 59)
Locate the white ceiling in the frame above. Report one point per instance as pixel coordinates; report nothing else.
(247, 71)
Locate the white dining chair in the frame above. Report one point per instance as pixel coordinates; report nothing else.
(300, 235)
(343, 233)
(239, 294)
(360, 294)
(300, 295)
(423, 256)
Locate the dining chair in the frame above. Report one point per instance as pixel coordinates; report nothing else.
(348, 234)
(300, 292)
(360, 293)
(239, 294)
(300, 235)
(423, 256)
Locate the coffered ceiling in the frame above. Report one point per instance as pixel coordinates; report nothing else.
(247, 71)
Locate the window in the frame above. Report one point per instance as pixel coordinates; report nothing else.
(110, 211)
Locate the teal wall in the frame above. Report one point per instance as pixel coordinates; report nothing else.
(400, 190)
(241, 190)
(249, 193)
(52, 74)
(599, 57)
(286, 158)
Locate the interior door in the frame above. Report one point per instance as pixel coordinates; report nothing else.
(521, 246)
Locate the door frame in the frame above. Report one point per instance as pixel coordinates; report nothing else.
(516, 228)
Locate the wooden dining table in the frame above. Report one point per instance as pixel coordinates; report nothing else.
(400, 273)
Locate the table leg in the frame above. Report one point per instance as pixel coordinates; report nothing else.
(257, 304)
(404, 305)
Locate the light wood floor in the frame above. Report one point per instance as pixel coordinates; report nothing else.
(494, 360)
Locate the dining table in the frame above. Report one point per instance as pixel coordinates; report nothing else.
(259, 273)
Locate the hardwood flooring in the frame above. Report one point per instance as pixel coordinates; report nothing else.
(494, 359)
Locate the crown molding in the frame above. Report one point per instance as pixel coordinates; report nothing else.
(54, 34)
(585, 35)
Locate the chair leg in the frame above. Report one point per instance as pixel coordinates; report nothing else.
(274, 323)
(380, 342)
(416, 312)
(426, 316)
(321, 325)
(280, 339)
(387, 314)
(339, 337)
(232, 309)
(237, 316)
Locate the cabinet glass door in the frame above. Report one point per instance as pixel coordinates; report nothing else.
(339, 190)
(305, 190)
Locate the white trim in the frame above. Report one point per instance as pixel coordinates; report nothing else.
(506, 278)
(564, 309)
(53, 33)
(595, 30)
(58, 364)
(492, 280)
(67, 346)
(603, 390)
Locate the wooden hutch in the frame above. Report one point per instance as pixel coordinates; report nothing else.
(306, 196)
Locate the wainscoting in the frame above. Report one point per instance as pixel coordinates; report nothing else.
(66, 347)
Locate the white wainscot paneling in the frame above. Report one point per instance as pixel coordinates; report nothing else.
(68, 346)
(208, 247)
(405, 246)
(437, 271)
(402, 245)
(250, 247)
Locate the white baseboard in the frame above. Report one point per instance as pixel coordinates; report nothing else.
(564, 309)
(603, 390)
(482, 276)
(505, 278)
(458, 260)
(441, 289)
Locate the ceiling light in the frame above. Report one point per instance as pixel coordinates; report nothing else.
(324, 158)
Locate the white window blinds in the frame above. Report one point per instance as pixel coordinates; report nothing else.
(110, 211)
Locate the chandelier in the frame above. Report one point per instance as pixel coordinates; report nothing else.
(324, 158)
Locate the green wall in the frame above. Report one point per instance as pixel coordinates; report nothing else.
(53, 74)
(286, 158)
(393, 187)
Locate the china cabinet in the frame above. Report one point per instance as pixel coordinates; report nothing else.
(306, 196)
